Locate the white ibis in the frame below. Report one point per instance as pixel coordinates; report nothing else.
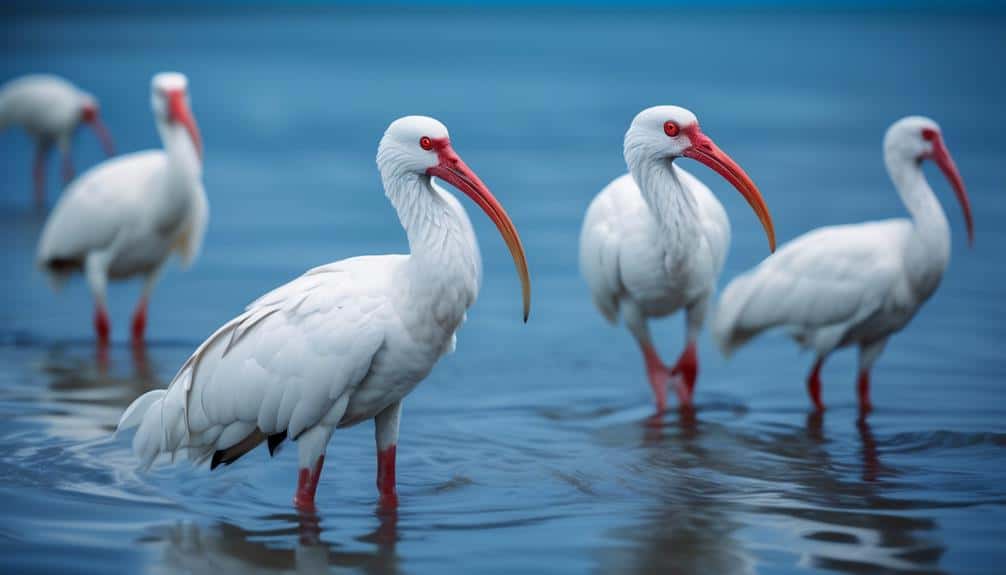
(654, 240)
(343, 343)
(125, 216)
(49, 109)
(839, 286)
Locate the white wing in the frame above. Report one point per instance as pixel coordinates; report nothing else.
(98, 205)
(820, 285)
(277, 368)
(600, 242)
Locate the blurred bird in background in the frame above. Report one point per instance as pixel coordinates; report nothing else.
(125, 216)
(49, 109)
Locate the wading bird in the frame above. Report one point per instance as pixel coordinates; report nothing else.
(654, 240)
(49, 109)
(343, 343)
(856, 284)
(125, 216)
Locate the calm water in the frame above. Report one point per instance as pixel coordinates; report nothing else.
(528, 449)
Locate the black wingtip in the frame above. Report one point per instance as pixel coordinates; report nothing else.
(218, 458)
(275, 440)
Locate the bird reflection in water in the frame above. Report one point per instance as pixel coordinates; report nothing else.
(229, 548)
(90, 386)
(704, 479)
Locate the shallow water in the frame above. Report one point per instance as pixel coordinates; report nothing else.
(532, 447)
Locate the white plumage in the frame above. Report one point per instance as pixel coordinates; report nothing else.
(855, 284)
(49, 109)
(654, 240)
(343, 343)
(124, 217)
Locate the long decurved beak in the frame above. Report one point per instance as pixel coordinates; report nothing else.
(942, 157)
(93, 118)
(454, 171)
(178, 111)
(704, 150)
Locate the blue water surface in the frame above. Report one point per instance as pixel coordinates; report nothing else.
(530, 448)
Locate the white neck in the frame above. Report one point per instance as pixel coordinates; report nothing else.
(928, 218)
(927, 255)
(671, 202)
(444, 267)
(181, 151)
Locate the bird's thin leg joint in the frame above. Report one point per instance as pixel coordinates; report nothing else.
(814, 385)
(687, 368)
(658, 375)
(102, 327)
(386, 475)
(863, 391)
(307, 485)
(140, 320)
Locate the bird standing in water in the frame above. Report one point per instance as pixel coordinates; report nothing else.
(857, 284)
(125, 216)
(345, 342)
(654, 240)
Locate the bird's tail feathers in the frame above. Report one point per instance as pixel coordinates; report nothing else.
(160, 416)
(732, 325)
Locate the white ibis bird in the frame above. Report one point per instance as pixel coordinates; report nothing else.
(839, 286)
(125, 216)
(49, 109)
(654, 240)
(343, 343)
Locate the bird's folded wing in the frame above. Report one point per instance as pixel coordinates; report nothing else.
(281, 364)
(93, 210)
(831, 277)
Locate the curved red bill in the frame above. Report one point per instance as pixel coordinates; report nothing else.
(704, 150)
(93, 118)
(178, 111)
(454, 171)
(942, 157)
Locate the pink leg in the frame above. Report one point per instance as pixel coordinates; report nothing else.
(102, 327)
(863, 390)
(688, 368)
(658, 375)
(386, 476)
(140, 320)
(814, 385)
(38, 173)
(307, 485)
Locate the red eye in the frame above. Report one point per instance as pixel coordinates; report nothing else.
(671, 129)
(928, 134)
(426, 143)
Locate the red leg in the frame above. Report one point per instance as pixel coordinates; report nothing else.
(102, 327)
(863, 390)
(307, 485)
(386, 476)
(140, 320)
(814, 385)
(38, 173)
(688, 368)
(658, 375)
